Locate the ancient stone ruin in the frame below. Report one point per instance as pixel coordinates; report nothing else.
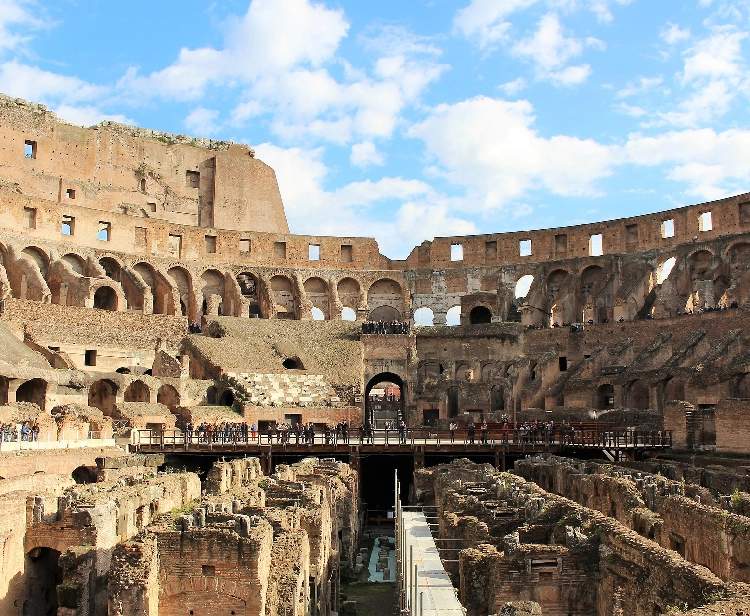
(164, 339)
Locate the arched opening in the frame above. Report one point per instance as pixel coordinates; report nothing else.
(168, 396)
(38, 256)
(76, 263)
(454, 401)
(181, 279)
(34, 391)
(213, 292)
(605, 397)
(137, 391)
(293, 363)
(453, 316)
(42, 576)
(316, 290)
(480, 315)
(385, 299)
(161, 294)
(317, 314)
(349, 294)
(282, 291)
(497, 399)
(741, 387)
(248, 284)
(4, 384)
(424, 316)
(84, 474)
(105, 298)
(111, 268)
(384, 400)
(102, 396)
(665, 269)
(226, 398)
(523, 285)
(638, 395)
(347, 314)
(212, 395)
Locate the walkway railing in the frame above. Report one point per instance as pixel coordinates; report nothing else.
(519, 439)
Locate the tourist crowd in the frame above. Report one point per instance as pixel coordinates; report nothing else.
(385, 327)
(9, 432)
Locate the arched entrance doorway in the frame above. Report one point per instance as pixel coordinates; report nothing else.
(43, 574)
(102, 396)
(384, 400)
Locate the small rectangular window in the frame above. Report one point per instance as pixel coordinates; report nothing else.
(152, 206)
(563, 363)
(705, 223)
(29, 215)
(210, 244)
(561, 245)
(525, 248)
(105, 231)
(595, 245)
(313, 252)
(745, 213)
(192, 179)
(89, 358)
(174, 245)
(140, 237)
(667, 228)
(208, 570)
(279, 250)
(347, 253)
(490, 250)
(457, 252)
(68, 225)
(70, 193)
(244, 245)
(29, 149)
(631, 234)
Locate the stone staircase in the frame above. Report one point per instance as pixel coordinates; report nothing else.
(303, 390)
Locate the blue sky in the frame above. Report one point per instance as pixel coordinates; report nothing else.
(409, 120)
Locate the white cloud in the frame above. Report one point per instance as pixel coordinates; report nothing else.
(14, 15)
(483, 21)
(631, 110)
(35, 84)
(718, 56)
(201, 122)
(511, 88)
(88, 115)
(643, 84)
(674, 34)
(601, 8)
(550, 50)
(712, 164)
(365, 154)
(490, 147)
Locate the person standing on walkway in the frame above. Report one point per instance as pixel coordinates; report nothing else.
(452, 427)
(472, 432)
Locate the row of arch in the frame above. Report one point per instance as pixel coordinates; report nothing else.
(109, 284)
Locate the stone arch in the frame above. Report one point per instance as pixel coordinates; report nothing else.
(213, 292)
(250, 292)
(183, 281)
(557, 282)
(76, 262)
(373, 415)
(161, 291)
(453, 405)
(480, 315)
(226, 398)
(491, 370)
(105, 298)
(38, 256)
(385, 299)
(42, 575)
(738, 261)
(102, 395)
(212, 395)
(740, 386)
(673, 389)
(592, 307)
(282, 293)
(453, 315)
(348, 314)
(137, 391)
(349, 292)
(316, 290)
(497, 398)
(637, 395)
(168, 396)
(112, 268)
(4, 386)
(84, 474)
(462, 372)
(424, 316)
(34, 391)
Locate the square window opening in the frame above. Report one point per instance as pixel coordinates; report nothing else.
(631, 234)
(595, 245)
(525, 248)
(29, 214)
(279, 250)
(244, 245)
(457, 252)
(667, 228)
(152, 206)
(563, 363)
(210, 244)
(313, 252)
(192, 179)
(490, 250)
(68, 225)
(705, 222)
(561, 244)
(174, 245)
(208, 570)
(89, 357)
(140, 237)
(70, 193)
(347, 253)
(745, 213)
(29, 149)
(105, 231)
